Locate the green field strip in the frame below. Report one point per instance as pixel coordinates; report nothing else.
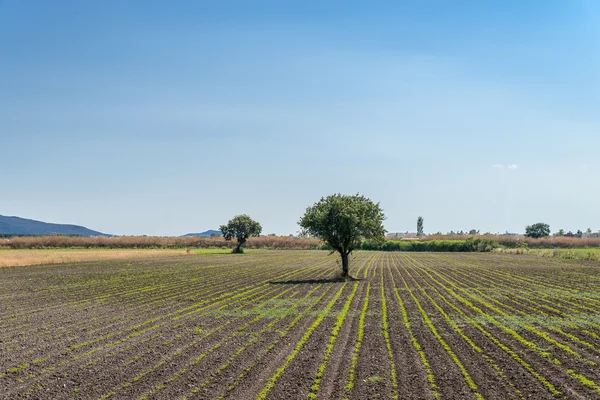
(535, 324)
(359, 339)
(140, 308)
(46, 308)
(512, 332)
(386, 336)
(429, 323)
(545, 282)
(450, 288)
(271, 346)
(218, 284)
(433, 386)
(50, 326)
(366, 265)
(255, 338)
(331, 343)
(540, 317)
(133, 335)
(369, 266)
(182, 349)
(112, 287)
(271, 381)
(557, 294)
(243, 296)
(512, 353)
(459, 331)
(574, 319)
(64, 294)
(129, 329)
(507, 317)
(514, 295)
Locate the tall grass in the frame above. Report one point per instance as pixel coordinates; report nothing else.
(12, 258)
(154, 242)
(565, 253)
(515, 241)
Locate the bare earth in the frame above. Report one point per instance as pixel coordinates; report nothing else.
(275, 325)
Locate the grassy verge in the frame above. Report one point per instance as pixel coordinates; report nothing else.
(568, 254)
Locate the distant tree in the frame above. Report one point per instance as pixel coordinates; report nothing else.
(561, 232)
(420, 226)
(343, 222)
(579, 234)
(537, 230)
(240, 227)
(589, 230)
(473, 232)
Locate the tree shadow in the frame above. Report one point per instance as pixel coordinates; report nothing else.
(316, 281)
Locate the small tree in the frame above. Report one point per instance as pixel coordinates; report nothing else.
(537, 230)
(240, 227)
(561, 232)
(342, 222)
(420, 226)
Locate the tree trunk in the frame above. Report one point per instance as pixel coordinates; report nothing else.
(238, 249)
(344, 265)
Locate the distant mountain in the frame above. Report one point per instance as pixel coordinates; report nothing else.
(22, 226)
(208, 233)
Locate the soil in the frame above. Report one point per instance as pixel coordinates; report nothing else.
(221, 326)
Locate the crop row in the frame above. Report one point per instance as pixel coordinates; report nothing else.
(269, 325)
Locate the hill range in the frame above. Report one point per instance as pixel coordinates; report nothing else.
(208, 233)
(23, 226)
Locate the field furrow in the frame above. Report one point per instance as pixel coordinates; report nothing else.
(281, 324)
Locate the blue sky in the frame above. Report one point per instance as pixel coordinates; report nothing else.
(162, 118)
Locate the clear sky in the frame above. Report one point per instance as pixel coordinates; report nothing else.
(169, 117)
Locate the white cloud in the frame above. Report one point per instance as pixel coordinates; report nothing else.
(512, 166)
(497, 166)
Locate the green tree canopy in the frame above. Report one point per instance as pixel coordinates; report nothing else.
(537, 230)
(240, 227)
(420, 226)
(343, 222)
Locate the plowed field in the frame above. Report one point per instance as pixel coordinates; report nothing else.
(275, 325)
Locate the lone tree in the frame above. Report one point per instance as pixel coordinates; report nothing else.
(420, 226)
(240, 227)
(342, 222)
(537, 230)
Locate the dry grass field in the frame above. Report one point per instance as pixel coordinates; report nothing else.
(10, 258)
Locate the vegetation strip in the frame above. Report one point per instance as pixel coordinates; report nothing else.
(271, 382)
(359, 339)
(496, 341)
(332, 338)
